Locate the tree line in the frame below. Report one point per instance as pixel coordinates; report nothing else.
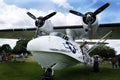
(104, 51)
(19, 47)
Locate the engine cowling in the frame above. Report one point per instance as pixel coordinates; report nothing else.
(47, 27)
(90, 18)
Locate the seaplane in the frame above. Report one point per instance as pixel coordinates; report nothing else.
(56, 50)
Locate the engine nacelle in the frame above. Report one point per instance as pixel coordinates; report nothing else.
(47, 27)
(94, 26)
(90, 17)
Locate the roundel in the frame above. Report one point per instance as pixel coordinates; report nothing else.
(71, 47)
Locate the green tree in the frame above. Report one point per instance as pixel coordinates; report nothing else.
(6, 48)
(104, 51)
(20, 46)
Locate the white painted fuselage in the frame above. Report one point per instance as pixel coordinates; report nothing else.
(49, 50)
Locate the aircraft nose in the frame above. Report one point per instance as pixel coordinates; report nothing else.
(37, 44)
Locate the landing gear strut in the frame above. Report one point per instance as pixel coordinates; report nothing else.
(48, 75)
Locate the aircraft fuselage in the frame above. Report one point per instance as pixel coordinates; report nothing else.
(49, 50)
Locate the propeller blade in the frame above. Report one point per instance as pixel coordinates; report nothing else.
(76, 13)
(31, 15)
(39, 22)
(101, 8)
(49, 16)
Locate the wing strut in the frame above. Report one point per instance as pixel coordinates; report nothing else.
(95, 45)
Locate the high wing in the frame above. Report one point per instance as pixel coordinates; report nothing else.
(77, 30)
(18, 33)
(103, 29)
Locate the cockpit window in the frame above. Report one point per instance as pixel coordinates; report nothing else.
(60, 35)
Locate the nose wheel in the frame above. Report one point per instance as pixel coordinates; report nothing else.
(48, 75)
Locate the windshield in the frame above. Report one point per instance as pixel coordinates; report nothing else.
(60, 35)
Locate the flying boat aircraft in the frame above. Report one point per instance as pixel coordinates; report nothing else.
(56, 50)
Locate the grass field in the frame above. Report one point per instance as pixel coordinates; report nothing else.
(30, 70)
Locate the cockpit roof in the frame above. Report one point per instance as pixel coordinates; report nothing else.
(59, 35)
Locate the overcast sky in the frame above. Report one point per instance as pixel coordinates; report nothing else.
(13, 12)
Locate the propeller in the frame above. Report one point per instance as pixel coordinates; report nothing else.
(101, 8)
(39, 22)
(90, 17)
(76, 13)
(31, 15)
